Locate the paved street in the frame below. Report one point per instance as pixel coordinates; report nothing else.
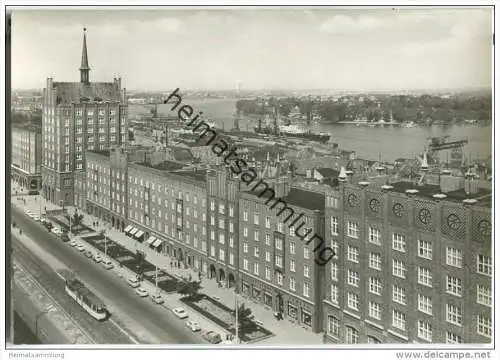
(159, 324)
(285, 332)
(105, 332)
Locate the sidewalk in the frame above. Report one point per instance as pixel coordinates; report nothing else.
(171, 300)
(284, 331)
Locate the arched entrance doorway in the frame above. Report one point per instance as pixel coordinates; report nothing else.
(113, 221)
(222, 275)
(232, 280)
(213, 272)
(123, 226)
(180, 255)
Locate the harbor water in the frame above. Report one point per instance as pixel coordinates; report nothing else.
(389, 141)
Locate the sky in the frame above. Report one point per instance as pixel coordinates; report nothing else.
(351, 49)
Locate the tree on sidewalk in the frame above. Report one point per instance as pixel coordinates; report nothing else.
(245, 320)
(190, 289)
(76, 220)
(140, 259)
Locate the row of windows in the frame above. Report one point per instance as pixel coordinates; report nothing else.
(453, 284)
(454, 315)
(454, 257)
(306, 287)
(279, 225)
(399, 295)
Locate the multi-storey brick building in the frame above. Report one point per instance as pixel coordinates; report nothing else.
(78, 116)
(222, 223)
(412, 265)
(277, 264)
(26, 156)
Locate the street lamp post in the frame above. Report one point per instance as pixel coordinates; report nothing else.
(236, 333)
(156, 279)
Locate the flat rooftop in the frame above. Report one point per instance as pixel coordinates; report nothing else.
(483, 197)
(101, 152)
(163, 166)
(198, 175)
(301, 198)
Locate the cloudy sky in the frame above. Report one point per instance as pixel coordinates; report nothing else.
(352, 49)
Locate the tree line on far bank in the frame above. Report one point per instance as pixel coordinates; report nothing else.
(426, 109)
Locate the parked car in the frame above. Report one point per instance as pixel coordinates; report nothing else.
(157, 299)
(79, 247)
(193, 325)
(97, 258)
(180, 313)
(141, 292)
(48, 225)
(73, 243)
(36, 218)
(57, 230)
(89, 254)
(212, 337)
(108, 265)
(133, 282)
(64, 237)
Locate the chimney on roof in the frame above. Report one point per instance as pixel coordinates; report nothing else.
(84, 67)
(471, 185)
(342, 175)
(349, 174)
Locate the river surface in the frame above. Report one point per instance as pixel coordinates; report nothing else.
(390, 142)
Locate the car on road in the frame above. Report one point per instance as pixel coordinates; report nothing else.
(157, 299)
(141, 292)
(212, 337)
(97, 258)
(73, 243)
(89, 254)
(108, 265)
(180, 313)
(64, 237)
(37, 218)
(28, 212)
(56, 230)
(133, 282)
(48, 225)
(79, 247)
(193, 325)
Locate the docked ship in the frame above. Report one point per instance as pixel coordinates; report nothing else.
(86, 299)
(294, 131)
(290, 130)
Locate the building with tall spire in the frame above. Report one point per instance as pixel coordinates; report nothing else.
(78, 116)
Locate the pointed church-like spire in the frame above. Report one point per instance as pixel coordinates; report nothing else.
(84, 68)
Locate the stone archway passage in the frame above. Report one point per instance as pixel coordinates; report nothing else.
(213, 272)
(222, 275)
(232, 280)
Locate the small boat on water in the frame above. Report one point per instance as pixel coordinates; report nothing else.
(408, 124)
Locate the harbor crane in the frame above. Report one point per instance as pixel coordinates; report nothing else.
(439, 143)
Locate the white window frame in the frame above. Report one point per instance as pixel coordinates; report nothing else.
(454, 315)
(399, 242)
(454, 257)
